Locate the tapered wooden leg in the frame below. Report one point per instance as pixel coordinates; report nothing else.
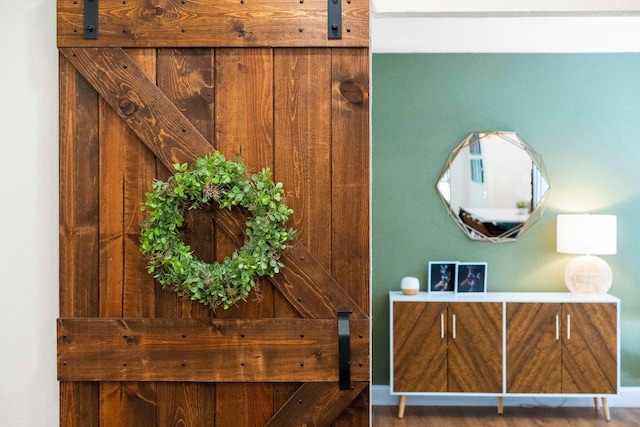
(500, 405)
(605, 407)
(595, 403)
(401, 404)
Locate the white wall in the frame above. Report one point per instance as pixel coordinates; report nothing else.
(28, 214)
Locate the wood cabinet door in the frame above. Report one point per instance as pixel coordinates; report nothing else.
(589, 348)
(534, 348)
(475, 347)
(561, 348)
(419, 347)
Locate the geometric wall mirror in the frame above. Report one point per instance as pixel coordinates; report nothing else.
(494, 186)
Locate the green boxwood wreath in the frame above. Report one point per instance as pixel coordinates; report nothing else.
(214, 179)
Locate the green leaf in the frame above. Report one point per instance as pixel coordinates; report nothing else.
(171, 261)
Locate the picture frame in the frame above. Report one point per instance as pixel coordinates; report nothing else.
(471, 277)
(442, 276)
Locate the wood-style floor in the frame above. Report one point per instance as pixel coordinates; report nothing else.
(486, 416)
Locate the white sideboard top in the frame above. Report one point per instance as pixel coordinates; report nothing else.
(559, 297)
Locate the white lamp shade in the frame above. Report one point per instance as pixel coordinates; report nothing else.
(587, 234)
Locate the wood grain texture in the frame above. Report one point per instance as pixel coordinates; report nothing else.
(303, 143)
(350, 172)
(303, 281)
(475, 352)
(127, 168)
(79, 404)
(244, 129)
(589, 349)
(140, 103)
(315, 404)
(186, 404)
(113, 136)
(140, 171)
(357, 413)
(128, 404)
(520, 416)
(229, 350)
(424, 342)
(321, 296)
(172, 138)
(79, 228)
(244, 100)
(230, 97)
(201, 23)
(79, 206)
(533, 352)
(244, 404)
(186, 77)
(418, 347)
(350, 190)
(580, 360)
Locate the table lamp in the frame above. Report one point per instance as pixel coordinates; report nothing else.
(587, 235)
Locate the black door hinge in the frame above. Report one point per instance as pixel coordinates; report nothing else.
(90, 19)
(334, 13)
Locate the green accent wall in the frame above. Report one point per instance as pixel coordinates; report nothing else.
(580, 112)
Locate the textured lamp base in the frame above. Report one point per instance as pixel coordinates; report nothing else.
(588, 274)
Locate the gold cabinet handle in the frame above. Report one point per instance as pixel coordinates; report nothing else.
(568, 326)
(454, 326)
(442, 325)
(557, 327)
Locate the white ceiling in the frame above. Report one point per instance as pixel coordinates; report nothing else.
(505, 7)
(405, 26)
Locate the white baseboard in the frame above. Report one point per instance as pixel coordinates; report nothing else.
(628, 397)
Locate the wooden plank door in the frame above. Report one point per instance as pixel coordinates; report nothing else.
(170, 82)
(534, 348)
(589, 355)
(475, 347)
(419, 347)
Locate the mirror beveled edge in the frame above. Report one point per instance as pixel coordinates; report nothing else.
(512, 234)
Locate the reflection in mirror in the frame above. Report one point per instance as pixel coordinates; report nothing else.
(494, 185)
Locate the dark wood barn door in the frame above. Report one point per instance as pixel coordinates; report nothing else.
(167, 82)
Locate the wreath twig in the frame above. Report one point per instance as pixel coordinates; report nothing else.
(210, 180)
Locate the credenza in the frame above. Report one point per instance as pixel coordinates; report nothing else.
(504, 344)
